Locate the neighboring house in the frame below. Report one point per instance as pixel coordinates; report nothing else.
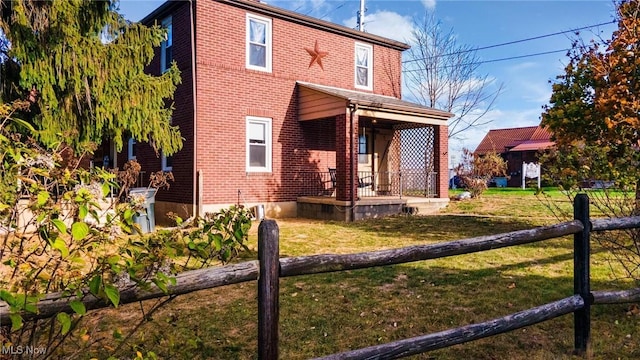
(516, 145)
(296, 114)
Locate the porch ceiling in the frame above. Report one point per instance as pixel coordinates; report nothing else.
(319, 101)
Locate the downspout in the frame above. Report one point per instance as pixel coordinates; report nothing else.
(353, 108)
(197, 196)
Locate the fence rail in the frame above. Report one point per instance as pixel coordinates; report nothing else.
(186, 282)
(439, 340)
(305, 265)
(269, 268)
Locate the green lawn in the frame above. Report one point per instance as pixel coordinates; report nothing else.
(327, 313)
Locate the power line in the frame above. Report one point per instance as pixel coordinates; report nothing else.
(329, 12)
(311, 10)
(317, 7)
(519, 41)
(496, 60)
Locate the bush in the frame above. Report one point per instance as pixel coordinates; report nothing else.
(475, 170)
(64, 229)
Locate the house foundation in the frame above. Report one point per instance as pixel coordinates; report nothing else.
(324, 208)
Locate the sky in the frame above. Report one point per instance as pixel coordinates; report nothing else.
(482, 24)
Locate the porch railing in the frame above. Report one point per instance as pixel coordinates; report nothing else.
(379, 184)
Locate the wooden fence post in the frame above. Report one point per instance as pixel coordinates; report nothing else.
(581, 274)
(268, 289)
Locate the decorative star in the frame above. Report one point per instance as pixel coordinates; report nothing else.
(316, 55)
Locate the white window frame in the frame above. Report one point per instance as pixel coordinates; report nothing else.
(130, 146)
(164, 64)
(268, 144)
(369, 66)
(268, 43)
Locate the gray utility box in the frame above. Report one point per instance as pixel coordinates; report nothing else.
(147, 218)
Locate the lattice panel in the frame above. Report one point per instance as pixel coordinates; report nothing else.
(414, 159)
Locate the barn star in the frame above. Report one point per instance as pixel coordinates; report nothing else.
(316, 55)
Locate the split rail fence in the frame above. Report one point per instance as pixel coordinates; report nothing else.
(269, 268)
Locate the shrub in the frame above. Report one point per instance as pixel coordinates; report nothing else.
(475, 170)
(63, 229)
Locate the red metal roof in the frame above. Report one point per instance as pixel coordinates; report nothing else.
(541, 134)
(501, 140)
(533, 145)
(515, 139)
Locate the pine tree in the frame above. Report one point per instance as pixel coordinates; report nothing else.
(82, 65)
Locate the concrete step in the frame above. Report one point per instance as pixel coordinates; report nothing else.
(425, 206)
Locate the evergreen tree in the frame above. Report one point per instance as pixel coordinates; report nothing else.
(82, 65)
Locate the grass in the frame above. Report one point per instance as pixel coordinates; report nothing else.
(328, 313)
(512, 202)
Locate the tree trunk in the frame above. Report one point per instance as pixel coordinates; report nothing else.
(636, 208)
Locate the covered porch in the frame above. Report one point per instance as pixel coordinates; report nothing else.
(381, 154)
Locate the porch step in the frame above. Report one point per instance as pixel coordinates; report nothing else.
(426, 206)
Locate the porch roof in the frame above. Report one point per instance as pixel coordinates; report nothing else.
(319, 101)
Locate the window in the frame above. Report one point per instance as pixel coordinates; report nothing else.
(363, 148)
(258, 43)
(166, 47)
(362, 144)
(167, 162)
(258, 144)
(131, 149)
(364, 66)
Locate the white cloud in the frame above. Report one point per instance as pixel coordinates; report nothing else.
(476, 84)
(429, 4)
(528, 79)
(385, 23)
(536, 92)
(516, 118)
(317, 3)
(528, 65)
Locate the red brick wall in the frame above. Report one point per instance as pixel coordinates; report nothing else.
(181, 189)
(227, 93)
(346, 155)
(442, 160)
(320, 145)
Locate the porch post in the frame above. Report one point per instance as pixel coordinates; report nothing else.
(346, 142)
(441, 160)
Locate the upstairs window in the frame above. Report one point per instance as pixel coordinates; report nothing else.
(258, 144)
(364, 66)
(258, 43)
(166, 47)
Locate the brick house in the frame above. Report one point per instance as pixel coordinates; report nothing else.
(296, 114)
(516, 145)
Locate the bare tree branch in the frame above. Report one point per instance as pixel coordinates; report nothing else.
(443, 74)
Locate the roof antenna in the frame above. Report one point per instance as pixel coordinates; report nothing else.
(361, 16)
